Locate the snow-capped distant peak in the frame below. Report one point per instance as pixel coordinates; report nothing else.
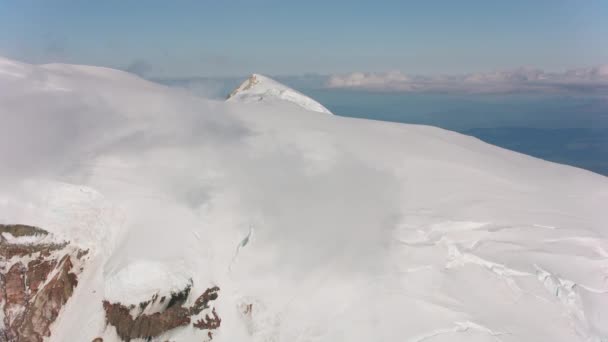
(261, 88)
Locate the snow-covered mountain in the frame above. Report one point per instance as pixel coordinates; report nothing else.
(259, 88)
(132, 211)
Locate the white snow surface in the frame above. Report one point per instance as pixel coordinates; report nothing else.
(259, 88)
(364, 230)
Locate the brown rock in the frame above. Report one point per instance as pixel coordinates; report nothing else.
(21, 230)
(15, 285)
(175, 315)
(45, 307)
(202, 302)
(144, 326)
(2, 290)
(82, 253)
(209, 322)
(9, 251)
(37, 271)
(31, 302)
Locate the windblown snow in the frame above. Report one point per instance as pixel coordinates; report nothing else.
(259, 88)
(314, 227)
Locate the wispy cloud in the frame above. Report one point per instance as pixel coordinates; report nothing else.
(522, 79)
(206, 87)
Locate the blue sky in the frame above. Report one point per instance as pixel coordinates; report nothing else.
(222, 38)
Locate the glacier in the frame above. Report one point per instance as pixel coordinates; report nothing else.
(364, 230)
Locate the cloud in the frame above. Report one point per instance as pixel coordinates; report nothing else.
(220, 87)
(521, 79)
(205, 87)
(369, 80)
(162, 155)
(80, 120)
(139, 67)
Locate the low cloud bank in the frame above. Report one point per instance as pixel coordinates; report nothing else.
(206, 87)
(523, 79)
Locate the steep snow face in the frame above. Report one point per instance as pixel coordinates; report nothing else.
(313, 227)
(261, 88)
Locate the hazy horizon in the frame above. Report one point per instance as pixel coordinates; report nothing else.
(202, 38)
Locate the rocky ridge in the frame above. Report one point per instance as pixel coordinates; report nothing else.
(37, 277)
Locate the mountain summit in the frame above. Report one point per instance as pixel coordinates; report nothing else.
(261, 88)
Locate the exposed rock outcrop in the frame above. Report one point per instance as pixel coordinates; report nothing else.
(174, 314)
(37, 277)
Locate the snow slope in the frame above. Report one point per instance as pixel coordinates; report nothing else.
(261, 88)
(315, 227)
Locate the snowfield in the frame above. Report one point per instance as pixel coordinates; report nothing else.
(314, 227)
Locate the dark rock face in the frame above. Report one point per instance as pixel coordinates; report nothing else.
(14, 286)
(174, 315)
(36, 280)
(209, 322)
(18, 230)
